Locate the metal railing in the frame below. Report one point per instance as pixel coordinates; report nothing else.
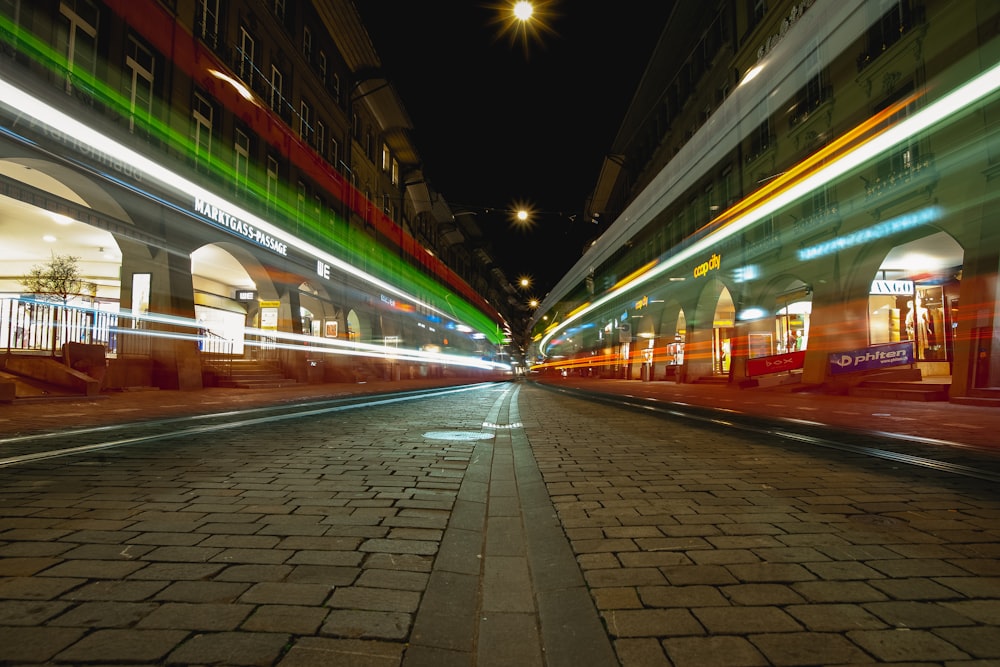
(34, 326)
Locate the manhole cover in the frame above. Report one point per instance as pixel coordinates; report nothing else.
(458, 435)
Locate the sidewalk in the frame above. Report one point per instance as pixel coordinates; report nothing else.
(938, 420)
(949, 422)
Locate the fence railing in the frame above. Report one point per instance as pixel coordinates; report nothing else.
(30, 325)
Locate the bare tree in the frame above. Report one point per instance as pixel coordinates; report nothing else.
(59, 279)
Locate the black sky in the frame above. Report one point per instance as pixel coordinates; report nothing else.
(497, 125)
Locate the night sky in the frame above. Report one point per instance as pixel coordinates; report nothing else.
(501, 121)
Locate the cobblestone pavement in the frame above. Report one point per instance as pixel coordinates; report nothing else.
(508, 526)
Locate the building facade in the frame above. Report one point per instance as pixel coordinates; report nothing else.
(233, 179)
(801, 192)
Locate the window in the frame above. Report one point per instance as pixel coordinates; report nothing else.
(300, 198)
(139, 65)
(307, 44)
(760, 140)
(320, 138)
(369, 146)
(756, 10)
(241, 153)
(277, 98)
(334, 152)
(279, 10)
(202, 115)
(902, 158)
(808, 98)
(77, 38)
(321, 65)
(395, 172)
(305, 122)
(272, 182)
(207, 22)
(246, 57)
(386, 158)
(335, 87)
(386, 203)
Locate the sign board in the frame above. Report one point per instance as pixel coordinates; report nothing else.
(776, 363)
(893, 287)
(872, 358)
(246, 295)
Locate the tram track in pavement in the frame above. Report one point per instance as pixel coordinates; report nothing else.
(23, 449)
(928, 453)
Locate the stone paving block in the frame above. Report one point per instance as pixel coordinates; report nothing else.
(107, 552)
(744, 620)
(292, 619)
(122, 591)
(710, 575)
(904, 644)
(654, 558)
(701, 651)
(651, 623)
(323, 574)
(423, 656)
(355, 624)
(257, 649)
(26, 566)
(633, 576)
(203, 617)
(910, 614)
(177, 571)
(509, 639)
(808, 648)
(442, 630)
(982, 611)
(254, 573)
(506, 585)
(617, 598)
(284, 592)
(202, 591)
(29, 612)
(95, 569)
(37, 588)
(834, 617)
(979, 642)
(973, 587)
(105, 614)
(681, 596)
(760, 594)
(375, 599)
(399, 546)
(399, 562)
(838, 591)
(34, 644)
(123, 645)
(916, 567)
(167, 539)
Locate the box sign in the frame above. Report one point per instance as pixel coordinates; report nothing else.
(872, 358)
(776, 363)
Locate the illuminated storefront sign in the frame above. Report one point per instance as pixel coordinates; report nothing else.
(230, 222)
(642, 303)
(713, 264)
(870, 358)
(892, 287)
(246, 295)
(776, 363)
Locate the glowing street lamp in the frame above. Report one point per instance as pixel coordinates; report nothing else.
(523, 10)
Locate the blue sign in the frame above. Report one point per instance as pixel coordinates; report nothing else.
(874, 357)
